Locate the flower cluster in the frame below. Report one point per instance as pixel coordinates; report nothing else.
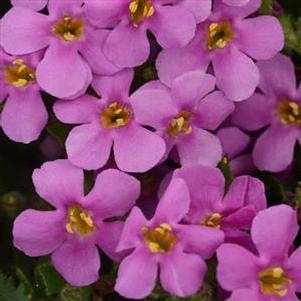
(159, 206)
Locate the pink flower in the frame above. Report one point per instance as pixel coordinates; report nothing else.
(172, 22)
(230, 42)
(24, 114)
(33, 4)
(72, 232)
(106, 122)
(164, 244)
(273, 275)
(183, 114)
(73, 45)
(231, 212)
(278, 110)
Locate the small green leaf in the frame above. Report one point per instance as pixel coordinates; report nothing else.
(266, 7)
(9, 292)
(224, 166)
(71, 293)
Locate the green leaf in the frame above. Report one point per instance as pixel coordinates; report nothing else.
(71, 293)
(266, 7)
(48, 279)
(224, 166)
(9, 292)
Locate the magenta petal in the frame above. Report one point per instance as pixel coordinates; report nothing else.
(199, 239)
(172, 63)
(92, 51)
(188, 89)
(240, 219)
(254, 113)
(81, 110)
(131, 233)
(137, 274)
(39, 233)
(108, 238)
(88, 146)
(115, 87)
(175, 202)
(59, 8)
(24, 31)
(274, 149)
(162, 25)
(201, 9)
(137, 149)
(262, 30)
(236, 2)
(236, 74)
(62, 72)
(274, 230)
(200, 147)
(237, 267)
(295, 267)
(24, 115)
(127, 46)
(210, 119)
(59, 182)
(277, 77)
(113, 194)
(182, 274)
(248, 294)
(78, 262)
(35, 5)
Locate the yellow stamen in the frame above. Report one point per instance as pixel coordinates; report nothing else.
(219, 34)
(161, 239)
(180, 124)
(115, 116)
(213, 221)
(80, 221)
(139, 10)
(273, 281)
(69, 29)
(19, 74)
(289, 112)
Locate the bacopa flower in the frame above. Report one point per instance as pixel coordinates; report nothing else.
(229, 42)
(73, 45)
(72, 232)
(278, 108)
(127, 45)
(236, 2)
(230, 212)
(24, 114)
(273, 275)
(106, 122)
(235, 146)
(33, 4)
(163, 243)
(183, 114)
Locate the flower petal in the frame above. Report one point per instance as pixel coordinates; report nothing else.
(77, 261)
(213, 110)
(236, 74)
(201, 9)
(237, 267)
(253, 33)
(24, 115)
(247, 294)
(88, 146)
(24, 31)
(39, 233)
(274, 149)
(35, 5)
(188, 89)
(274, 230)
(137, 149)
(113, 194)
(294, 267)
(137, 274)
(59, 182)
(62, 72)
(182, 274)
(127, 46)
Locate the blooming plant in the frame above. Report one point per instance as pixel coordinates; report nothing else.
(150, 149)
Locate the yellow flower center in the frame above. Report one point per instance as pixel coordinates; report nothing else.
(219, 34)
(213, 221)
(79, 221)
(161, 239)
(69, 29)
(180, 124)
(289, 112)
(139, 10)
(19, 74)
(273, 281)
(115, 116)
